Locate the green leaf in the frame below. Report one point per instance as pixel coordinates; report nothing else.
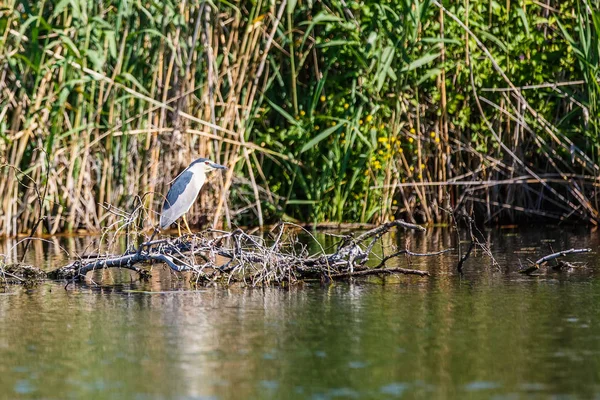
(524, 19)
(320, 18)
(96, 58)
(494, 39)
(292, 201)
(284, 113)
(60, 7)
(128, 77)
(386, 61)
(339, 42)
(69, 43)
(321, 136)
(429, 74)
(112, 43)
(441, 40)
(291, 5)
(419, 62)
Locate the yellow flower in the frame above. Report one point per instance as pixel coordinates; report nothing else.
(382, 126)
(382, 139)
(302, 113)
(369, 118)
(317, 127)
(412, 168)
(297, 118)
(342, 134)
(392, 217)
(387, 146)
(420, 176)
(380, 152)
(393, 139)
(437, 139)
(346, 105)
(400, 150)
(422, 166)
(410, 140)
(395, 202)
(432, 134)
(360, 121)
(343, 141)
(333, 123)
(412, 130)
(322, 98)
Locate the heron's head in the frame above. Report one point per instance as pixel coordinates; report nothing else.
(206, 165)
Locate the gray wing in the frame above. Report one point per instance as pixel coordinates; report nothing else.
(172, 208)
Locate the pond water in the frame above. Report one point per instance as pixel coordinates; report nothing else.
(492, 333)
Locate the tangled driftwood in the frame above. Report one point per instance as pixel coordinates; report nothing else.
(237, 256)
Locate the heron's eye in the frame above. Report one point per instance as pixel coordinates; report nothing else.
(206, 162)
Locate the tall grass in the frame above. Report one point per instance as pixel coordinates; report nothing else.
(409, 108)
(326, 110)
(105, 103)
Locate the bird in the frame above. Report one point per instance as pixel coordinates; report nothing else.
(185, 189)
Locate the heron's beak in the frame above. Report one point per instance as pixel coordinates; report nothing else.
(217, 166)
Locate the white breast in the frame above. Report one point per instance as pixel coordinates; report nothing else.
(187, 198)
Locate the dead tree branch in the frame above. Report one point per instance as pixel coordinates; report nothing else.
(560, 254)
(240, 257)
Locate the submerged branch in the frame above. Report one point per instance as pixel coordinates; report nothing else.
(380, 271)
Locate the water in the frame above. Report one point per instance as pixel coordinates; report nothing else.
(491, 334)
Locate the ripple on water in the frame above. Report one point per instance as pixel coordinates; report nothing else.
(534, 386)
(339, 393)
(481, 385)
(357, 364)
(24, 386)
(394, 389)
(271, 385)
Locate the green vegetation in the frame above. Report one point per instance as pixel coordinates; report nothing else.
(330, 110)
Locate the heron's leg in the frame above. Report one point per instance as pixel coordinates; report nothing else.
(186, 225)
(179, 228)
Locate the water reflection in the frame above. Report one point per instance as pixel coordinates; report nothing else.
(490, 333)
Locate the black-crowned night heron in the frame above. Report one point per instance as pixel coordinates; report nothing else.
(184, 190)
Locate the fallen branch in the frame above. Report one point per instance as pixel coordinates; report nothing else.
(238, 256)
(560, 254)
(536, 266)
